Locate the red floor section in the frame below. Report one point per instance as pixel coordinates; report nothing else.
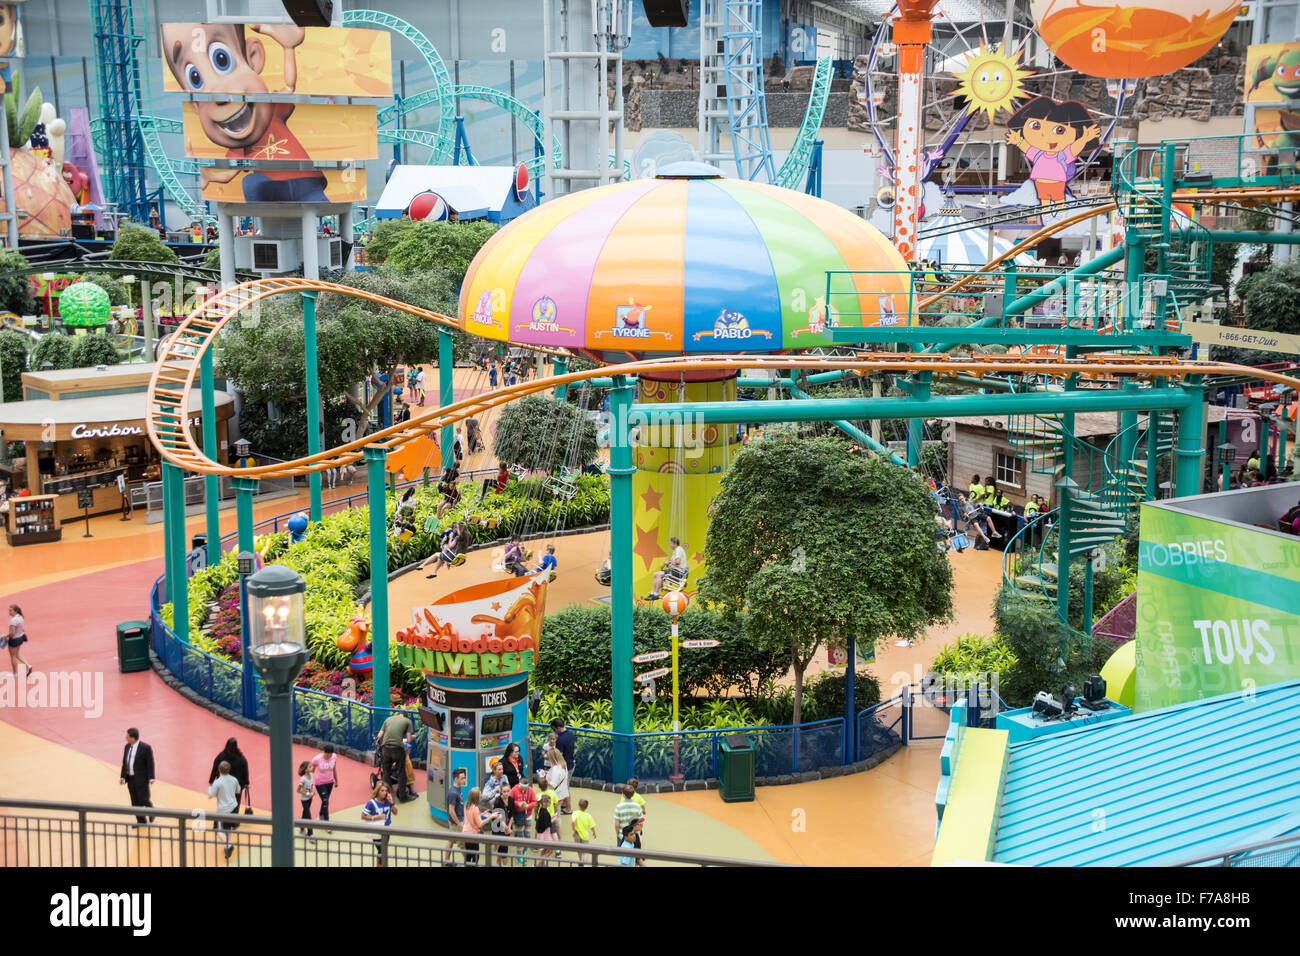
(72, 627)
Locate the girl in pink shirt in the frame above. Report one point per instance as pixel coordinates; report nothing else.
(473, 823)
(323, 777)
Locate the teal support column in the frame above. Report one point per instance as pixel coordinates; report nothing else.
(915, 426)
(178, 592)
(1008, 288)
(169, 533)
(313, 399)
(1087, 596)
(1127, 448)
(1189, 455)
(561, 368)
(1154, 424)
(621, 470)
(245, 488)
(377, 499)
(446, 393)
(211, 483)
(1166, 206)
(1134, 266)
(1066, 488)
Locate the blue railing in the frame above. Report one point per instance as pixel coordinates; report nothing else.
(779, 750)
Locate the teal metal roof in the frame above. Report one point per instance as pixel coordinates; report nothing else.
(1158, 787)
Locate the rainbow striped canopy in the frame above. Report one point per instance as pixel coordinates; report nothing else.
(685, 262)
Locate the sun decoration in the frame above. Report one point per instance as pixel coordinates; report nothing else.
(990, 80)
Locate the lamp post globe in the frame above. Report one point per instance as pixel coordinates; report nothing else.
(277, 647)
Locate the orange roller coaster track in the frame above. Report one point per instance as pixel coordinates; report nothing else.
(174, 378)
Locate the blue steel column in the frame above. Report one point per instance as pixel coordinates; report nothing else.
(211, 483)
(245, 488)
(313, 398)
(378, 505)
(446, 392)
(621, 470)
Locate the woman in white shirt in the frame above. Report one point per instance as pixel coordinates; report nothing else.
(16, 638)
(558, 775)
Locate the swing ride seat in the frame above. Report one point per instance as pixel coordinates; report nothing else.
(431, 524)
(458, 560)
(675, 579)
(561, 487)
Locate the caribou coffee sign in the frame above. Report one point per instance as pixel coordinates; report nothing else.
(116, 430)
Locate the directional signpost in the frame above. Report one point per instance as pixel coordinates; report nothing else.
(653, 675)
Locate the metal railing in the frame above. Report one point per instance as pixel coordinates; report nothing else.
(195, 493)
(40, 833)
(1282, 851)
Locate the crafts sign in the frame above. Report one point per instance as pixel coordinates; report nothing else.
(486, 630)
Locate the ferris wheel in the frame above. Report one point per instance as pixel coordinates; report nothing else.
(981, 62)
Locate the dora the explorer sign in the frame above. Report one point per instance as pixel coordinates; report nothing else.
(487, 630)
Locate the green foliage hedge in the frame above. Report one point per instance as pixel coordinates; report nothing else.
(544, 432)
(13, 361)
(410, 246)
(93, 349)
(574, 651)
(334, 558)
(53, 347)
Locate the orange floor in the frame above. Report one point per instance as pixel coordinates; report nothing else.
(882, 817)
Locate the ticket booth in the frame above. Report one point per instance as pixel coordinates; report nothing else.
(476, 648)
(471, 722)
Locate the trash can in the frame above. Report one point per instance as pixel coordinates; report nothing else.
(199, 540)
(736, 769)
(132, 646)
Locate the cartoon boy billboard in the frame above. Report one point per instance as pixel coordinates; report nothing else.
(11, 31)
(1052, 134)
(220, 58)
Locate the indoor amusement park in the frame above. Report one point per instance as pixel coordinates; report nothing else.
(651, 433)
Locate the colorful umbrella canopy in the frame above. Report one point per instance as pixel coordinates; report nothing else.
(685, 262)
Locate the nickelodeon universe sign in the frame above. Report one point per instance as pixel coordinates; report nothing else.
(452, 656)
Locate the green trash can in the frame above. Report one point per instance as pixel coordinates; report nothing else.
(132, 646)
(736, 769)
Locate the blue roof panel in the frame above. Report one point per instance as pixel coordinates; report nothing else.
(1156, 787)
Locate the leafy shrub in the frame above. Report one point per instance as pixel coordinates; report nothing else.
(544, 432)
(971, 657)
(419, 246)
(138, 244)
(13, 361)
(574, 652)
(823, 697)
(93, 349)
(117, 294)
(53, 347)
(15, 290)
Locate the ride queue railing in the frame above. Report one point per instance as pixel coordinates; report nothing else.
(41, 833)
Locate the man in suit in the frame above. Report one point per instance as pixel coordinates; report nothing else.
(137, 772)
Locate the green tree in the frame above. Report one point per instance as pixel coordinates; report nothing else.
(53, 347)
(410, 246)
(544, 432)
(138, 244)
(817, 543)
(263, 353)
(93, 349)
(15, 290)
(13, 360)
(1272, 299)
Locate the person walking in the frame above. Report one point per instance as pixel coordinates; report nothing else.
(15, 639)
(473, 824)
(496, 784)
(226, 789)
(323, 777)
(305, 790)
(521, 803)
(512, 765)
(627, 810)
(584, 828)
(126, 499)
(394, 734)
(558, 777)
(566, 742)
(379, 809)
(137, 772)
(238, 765)
(545, 820)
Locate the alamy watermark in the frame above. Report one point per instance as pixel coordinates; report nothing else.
(71, 690)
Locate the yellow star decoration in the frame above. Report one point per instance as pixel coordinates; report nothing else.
(991, 80)
(272, 149)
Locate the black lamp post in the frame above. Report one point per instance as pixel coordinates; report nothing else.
(278, 649)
